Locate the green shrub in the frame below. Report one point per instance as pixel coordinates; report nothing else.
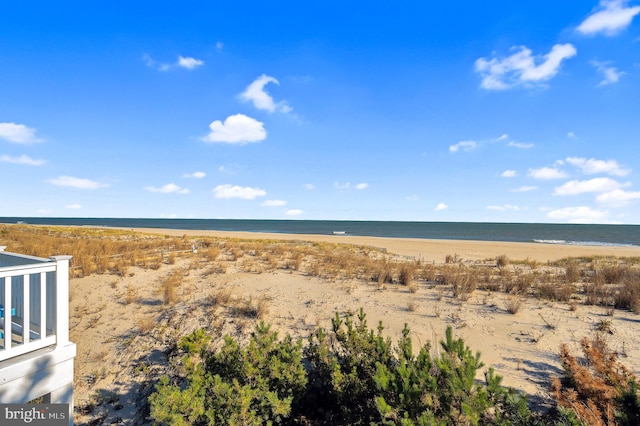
(351, 376)
(342, 371)
(257, 384)
(422, 390)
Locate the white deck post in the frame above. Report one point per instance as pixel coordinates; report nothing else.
(62, 299)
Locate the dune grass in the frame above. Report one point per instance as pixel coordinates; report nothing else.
(598, 280)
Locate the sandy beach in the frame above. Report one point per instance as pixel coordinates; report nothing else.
(430, 250)
(123, 328)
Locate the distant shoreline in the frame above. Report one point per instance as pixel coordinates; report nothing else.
(541, 233)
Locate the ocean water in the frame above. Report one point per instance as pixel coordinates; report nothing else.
(543, 233)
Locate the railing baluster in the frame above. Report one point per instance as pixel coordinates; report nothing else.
(43, 305)
(26, 314)
(20, 307)
(7, 313)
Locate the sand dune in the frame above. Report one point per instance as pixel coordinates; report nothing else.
(122, 328)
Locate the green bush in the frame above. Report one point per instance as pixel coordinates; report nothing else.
(253, 385)
(342, 385)
(422, 390)
(350, 376)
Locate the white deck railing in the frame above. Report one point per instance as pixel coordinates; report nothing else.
(36, 356)
(34, 303)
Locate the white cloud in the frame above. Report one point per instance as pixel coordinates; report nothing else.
(73, 206)
(504, 208)
(293, 212)
(546, 173)
(502, 137)
(441, 206)
(571, 135)
(261, 99)
(23, 159)
(611, 74)
(580, 214)
(170, 188)
(148, 61)
(238, 129)
(189, 63)
(78, 183)
(463, 145)
(234, 191)
(194, 175)
(18, 133)
(593, 166)
(347, 185)
(611, 17)
(219, 46)
(182, 62)
(521, 145)
(309, 186)
(525, 189)
(274, 203)
(520, 68)
(509, 174)
(618, 197)
(575, 187)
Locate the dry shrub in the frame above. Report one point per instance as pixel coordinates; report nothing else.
(428, 272)
(506, 280)
(120, 267)
(411, 306)
(502, 261)
(383, 274)
(614, 274)
(546, 291)
(211, 253)
(596, 390)
(628, 296)
(595, 294)
(406, 271)
(572, 272)
(513, 304)
(220, 297)
(556, 292)
(250, 309)
(145, 325)
(522, 284)
(413, 287)
(462, 282)
(169, 286)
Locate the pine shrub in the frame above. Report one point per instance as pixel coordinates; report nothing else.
(351, 375)
(256, 384)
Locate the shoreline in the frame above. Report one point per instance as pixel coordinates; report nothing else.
(430, 250)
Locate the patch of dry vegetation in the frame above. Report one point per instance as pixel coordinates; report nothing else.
(603, 281)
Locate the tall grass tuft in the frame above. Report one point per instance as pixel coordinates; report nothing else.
(169, 286)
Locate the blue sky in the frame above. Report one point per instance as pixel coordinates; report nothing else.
(501, 111)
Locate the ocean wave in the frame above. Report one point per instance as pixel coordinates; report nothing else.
(583, 243)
